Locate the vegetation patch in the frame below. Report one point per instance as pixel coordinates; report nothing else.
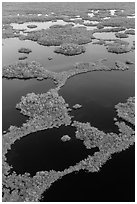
(59, 35)
(9, 32)
(126, 110)
(70, 49)
(119, 22)
(118, 48)
(129, 62)
(121, 65)
(77, 106)
(130, 32)
(121, 35)
(24, 50)
(65, 138)
(23, 57)
(32, 26)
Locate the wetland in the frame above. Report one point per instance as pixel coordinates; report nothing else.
(68, 105)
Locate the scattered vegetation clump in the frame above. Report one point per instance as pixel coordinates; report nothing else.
(133, 46)
(59, 35)
(99, 26)
(119, 22)
(70, 49)
(124, 13)
(9, 32)
(121, 35)
(23, 57)
(121, 65)
(77, 106)
(65, 138)
(50, 58)
(32, 26)
(101, 30)
(24, 50)
(129, 62)
(130, 32)
(127, 110)
(117, 48)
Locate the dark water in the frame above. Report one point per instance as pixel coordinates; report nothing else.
(44, 150)
(12, 91)
(98, 93)
(114, 183)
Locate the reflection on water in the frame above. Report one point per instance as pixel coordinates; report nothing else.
(12, 90)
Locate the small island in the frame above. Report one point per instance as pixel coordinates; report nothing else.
(70, 49)
(24, 50)
(77, 106)
(118, 48)
(32, 26)
(121, 35)
(65, 138)
(23, 57)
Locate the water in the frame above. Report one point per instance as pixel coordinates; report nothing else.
(40, 25)
(98, 93)
(111, 35)
(105, 35)
(12, 90)
(114, 183)
(44, 150)
(39, 53)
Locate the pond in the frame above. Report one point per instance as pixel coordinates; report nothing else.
(44, 150)
(12, 90)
